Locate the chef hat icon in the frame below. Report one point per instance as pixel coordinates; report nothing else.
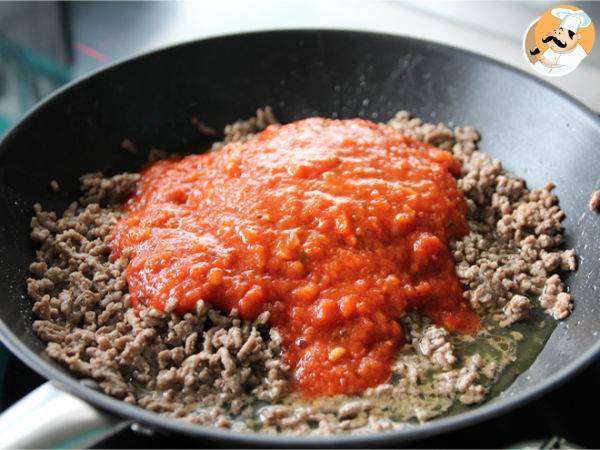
(572, 20)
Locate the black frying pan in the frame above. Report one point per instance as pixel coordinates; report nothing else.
(537, 131)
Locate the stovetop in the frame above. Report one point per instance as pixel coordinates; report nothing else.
(567, 412)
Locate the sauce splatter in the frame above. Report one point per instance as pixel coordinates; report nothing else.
(336, 227)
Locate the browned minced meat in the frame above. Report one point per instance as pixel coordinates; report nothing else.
(516, 235)
(242, 130)
(203, 129)
(212, 362)
(516, 309)
(595, 202)
(435, 343)
(209, 367)
(128, 146)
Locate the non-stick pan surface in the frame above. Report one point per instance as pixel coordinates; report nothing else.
(538, 132)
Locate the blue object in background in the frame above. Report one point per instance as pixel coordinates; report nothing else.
(35, 56)
(4, 124)
(25, 78)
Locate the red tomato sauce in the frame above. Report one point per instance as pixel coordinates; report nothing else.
(338, 227)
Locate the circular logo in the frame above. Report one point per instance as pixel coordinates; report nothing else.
(557, 42)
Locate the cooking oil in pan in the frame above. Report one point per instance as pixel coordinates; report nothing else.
(419, 391)
(526, 339)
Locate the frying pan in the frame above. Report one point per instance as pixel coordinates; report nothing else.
(538, 132)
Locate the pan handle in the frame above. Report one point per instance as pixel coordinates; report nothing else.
(51, 418)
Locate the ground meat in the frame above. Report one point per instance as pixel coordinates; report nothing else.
(107, 191)
(435, 343)
(128, 146)
(465, 381)
(54, 186)
(595, 202)
(203, 129)
(352, 409)
(516, 309)
(156, 154)
(514, 244)
(160, 361)
(212, 368)
(556, 302)
(242, 130)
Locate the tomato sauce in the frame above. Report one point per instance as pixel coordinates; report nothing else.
(338, 227)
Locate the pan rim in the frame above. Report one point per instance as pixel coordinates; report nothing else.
(490, 409)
